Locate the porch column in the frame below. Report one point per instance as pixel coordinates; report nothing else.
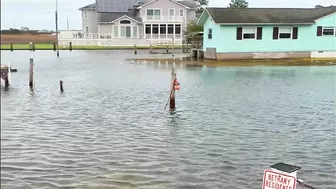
(174, 31)
(151, 31)
(166, 31)
(144, 31)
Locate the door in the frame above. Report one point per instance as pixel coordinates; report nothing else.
(128, 31)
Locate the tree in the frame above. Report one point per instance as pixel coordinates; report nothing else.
(193, 28)
(203, 2)
(238, 4)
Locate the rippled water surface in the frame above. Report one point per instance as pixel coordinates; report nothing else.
(110, 130)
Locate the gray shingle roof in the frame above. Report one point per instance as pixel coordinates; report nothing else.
(89, 7)
(190, 4)
(268, 15)
(111, 16)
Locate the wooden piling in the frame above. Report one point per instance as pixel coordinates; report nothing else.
(54, 46)
(70, 46)
(5, 77)
(33, 46)
(187, 46)
(135, 49)
(183, 47)
(61, 86)
(11, 46)
(31, 73)
(172, 95)
(167, 48)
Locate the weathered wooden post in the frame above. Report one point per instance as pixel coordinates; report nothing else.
(173, 47)
(31, 73)
(6, 81)
(11, 46)
(183, 48)
(135, 49)
(33, 46)
(54, 46)
(167, 48)
(187, 46)
(172, 88)
(61, 86)
(70, 46)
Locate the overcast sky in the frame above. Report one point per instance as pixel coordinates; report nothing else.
(39, 14)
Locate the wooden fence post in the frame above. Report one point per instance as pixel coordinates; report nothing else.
(11, 46)
(172, 88)
(70, 46)
(61, 86)
(31, 73)
(135, 49)
(54, 46)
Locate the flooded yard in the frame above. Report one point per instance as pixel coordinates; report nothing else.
(109, 128)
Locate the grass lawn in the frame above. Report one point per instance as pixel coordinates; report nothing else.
(49, 46)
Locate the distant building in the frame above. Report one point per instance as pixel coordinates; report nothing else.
(258, 33)
(128, 22)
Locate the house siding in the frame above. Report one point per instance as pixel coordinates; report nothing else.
(224, 39)
(164, 6)
(90, 21)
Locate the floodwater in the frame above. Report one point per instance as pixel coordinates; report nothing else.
(109, 128)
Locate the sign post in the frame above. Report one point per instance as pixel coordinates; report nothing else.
(280, 176)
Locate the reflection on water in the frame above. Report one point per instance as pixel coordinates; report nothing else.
(110, 130)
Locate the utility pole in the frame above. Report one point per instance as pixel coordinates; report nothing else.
(67, 23)
(56, 22)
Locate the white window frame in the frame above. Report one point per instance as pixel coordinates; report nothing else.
(255, 33)
(291, 32)
(154, 9)
(116, 35)
(328, 27)
(171, 17)
(181, 11)
(86, 13)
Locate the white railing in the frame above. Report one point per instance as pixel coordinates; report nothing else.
(89, 36)
(163, 36)
(163, 18)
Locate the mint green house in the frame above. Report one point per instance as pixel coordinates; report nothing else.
(263, 33)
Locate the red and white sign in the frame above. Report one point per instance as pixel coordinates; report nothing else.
(275, 180)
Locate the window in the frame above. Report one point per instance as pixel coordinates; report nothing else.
(170, 28)
(125, 22)
(155, 29)
(178, 29)
(210, 34)
(249, 33)
(285, 33)
(328, 31)
(122, 31)
(163, 29)
(171, 12)
(148, 29)
(181, 12)
(115, 31)
(85, 14)
(86, 29)
(153, 14)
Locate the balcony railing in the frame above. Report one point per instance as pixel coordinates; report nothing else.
(163, 36)
(163, 18)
